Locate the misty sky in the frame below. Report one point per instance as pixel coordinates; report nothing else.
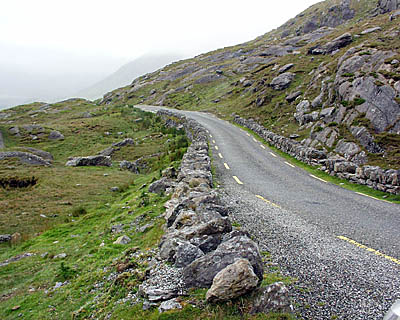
(93, 38)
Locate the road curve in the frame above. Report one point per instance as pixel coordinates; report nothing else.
(327, 223)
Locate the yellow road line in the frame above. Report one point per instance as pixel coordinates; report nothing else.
(273, 154)
(210, 135)
(267, 201)
(365, 195)
(216, 147)
(254, 139)
(361, 246)
(213, 141)
(262, 146)
(289, 164)
(237, 180)
(248, 134)
(315, 177)
(226, 166)
(220, 155)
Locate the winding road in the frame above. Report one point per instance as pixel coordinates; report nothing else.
(342, 247)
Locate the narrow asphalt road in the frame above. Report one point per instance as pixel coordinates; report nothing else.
(342, 246)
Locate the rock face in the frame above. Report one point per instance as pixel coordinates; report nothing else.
(274, 298)
(233, 281)
(89, 161)
(282, 81)
(332, 46)
(56, 135)
(25, 158)
(388, 5)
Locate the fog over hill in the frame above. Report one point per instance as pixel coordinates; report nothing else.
(127, 73)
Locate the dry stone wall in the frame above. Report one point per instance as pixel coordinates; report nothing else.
(200, 242)
(372, 176)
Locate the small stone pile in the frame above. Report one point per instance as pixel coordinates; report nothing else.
(200, 241)
(372, 176)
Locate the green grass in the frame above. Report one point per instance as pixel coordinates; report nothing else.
(323, 175)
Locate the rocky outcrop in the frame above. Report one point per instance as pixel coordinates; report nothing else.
(332, 46)
(1, 141)
(25, 158)
(374, 177)
(385, 6)
(89, 161)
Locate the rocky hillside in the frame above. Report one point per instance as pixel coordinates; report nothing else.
(328, 78)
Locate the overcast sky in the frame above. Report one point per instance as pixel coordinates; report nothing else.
(97, 36)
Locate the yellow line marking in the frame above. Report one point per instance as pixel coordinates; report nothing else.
(237, 180)
(267, 201)
(213, 141)
(315, 177)
(216, 147)
(262, 146)
(273, 154)
(289, 164)
(248, 134)
(378, 253)
(220, 155)
(254, 139)
(226, 166)
(210, 135)
(365, 195)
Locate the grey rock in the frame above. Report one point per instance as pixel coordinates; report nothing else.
(162, 185)
(56, 135)
(293, 96)
(327, 113)
(232, 282)
(124, 143)
(385, 6)
(370, 30)
(201, 272)
(114, 189)
(122, 240)
(128, 165)
(98, 160)
(397, 86)
(33, 127)
(336, 44)
(395, 15)
(25, 158)
(365, 139)
(282, 81)
(274, 298)
(303, 107)
(14, 130)
(172, 304)
(5, 238)
(179, 252)
(118, 228)
(348, 149)
(60, 256)
(286, 67)
(40, 153)
(277, 51)
(107, 152)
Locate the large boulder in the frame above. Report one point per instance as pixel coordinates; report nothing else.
(201, 272)
(161, 186)
(233, 281)
(282, 81)
(89, 161)
(56, 135)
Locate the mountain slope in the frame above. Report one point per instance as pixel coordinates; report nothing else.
(127, 73)
(328, 78)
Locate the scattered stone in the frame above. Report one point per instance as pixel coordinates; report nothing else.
(370, 30)
(16, 258)
(14, 130)
(89, 161)
(122, 240)
(114, 189)
(118, 228)
(293, 96)
(172, 304)
(286, 67)
(124, 143)
(60, 256)
(56, 135)
(44, 255)
(282, 81)
(274, 298)
(25, 158)
(232, 282)
(15, 308)
(5, 237)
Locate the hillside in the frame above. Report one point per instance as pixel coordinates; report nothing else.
(125, 74)
(328, 78)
